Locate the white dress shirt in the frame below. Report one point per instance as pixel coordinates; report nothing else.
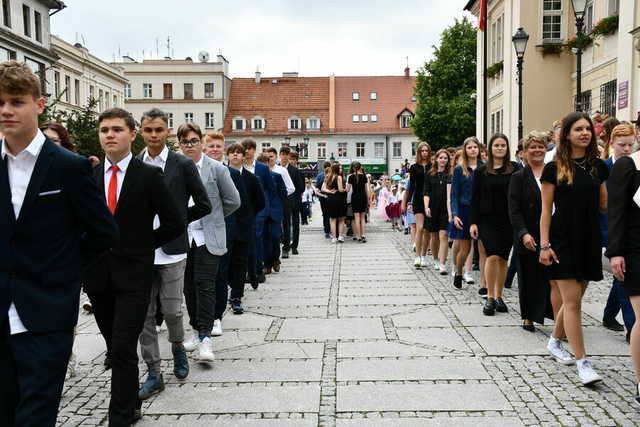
(161, 258)
(195, 230)
(108, 173)
(251, 168)
(287, 179)
(20, 170)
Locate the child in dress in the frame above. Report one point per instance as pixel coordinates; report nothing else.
(393, 208)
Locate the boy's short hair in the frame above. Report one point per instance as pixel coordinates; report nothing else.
(249, 143)
(118, 113)
(155, 113)
(263, 158)
(16, 78)
(293, 155)
(185, 128)
(285, 150)
(236, 148)
(214, 135)
(271, 150)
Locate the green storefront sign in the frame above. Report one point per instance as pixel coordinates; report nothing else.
(369, 168)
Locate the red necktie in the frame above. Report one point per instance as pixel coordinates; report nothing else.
(112, 198)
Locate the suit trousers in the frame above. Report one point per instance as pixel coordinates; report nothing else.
(223, 281)
(199, 288)
(325, 216)
(286, 222)
(271, 241)
(296, 209)
(34, 366)
(238, 269)
(260, 224)
(305, 212)
(120, 315)
(168, 282)
(252, 261)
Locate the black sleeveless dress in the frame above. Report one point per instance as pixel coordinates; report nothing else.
(336, 202)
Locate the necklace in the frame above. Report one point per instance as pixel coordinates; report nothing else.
(582, 164)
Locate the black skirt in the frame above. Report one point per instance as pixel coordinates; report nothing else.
(534, 290)
(496, 235)
(632, 275)
(337, 205)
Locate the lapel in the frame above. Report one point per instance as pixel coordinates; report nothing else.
(5, 192)
(206, 168)
(45, 158)
(534, 191)
(170, 166)
(98, 173)
(129, 181)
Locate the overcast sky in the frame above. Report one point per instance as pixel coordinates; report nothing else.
(315, 38)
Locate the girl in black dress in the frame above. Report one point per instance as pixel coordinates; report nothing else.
(624, 233)
(570, 241)
(357, 184)
(334, 188)
(415, 197)
(490, 218)
(437, 187)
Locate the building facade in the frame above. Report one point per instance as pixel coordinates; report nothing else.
(79, 76)
(186, 90)
(346, 119)
(610, 73)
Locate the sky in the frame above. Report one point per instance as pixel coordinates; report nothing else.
(314, 38)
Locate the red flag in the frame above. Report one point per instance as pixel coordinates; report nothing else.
(483, 14)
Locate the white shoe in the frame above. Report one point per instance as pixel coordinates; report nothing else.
(417, 263)
(442, 269)
(558, 351)
(423, 261)
(205, 350)
(436, 265)
(334, 240)
(217, 328)
(454, 272)
(341, 239)
(193, 342)
(588, 376)
(468, 278)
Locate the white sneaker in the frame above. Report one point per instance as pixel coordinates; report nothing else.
(423, 261)
(436, 265)
(334, 240)
(217, 328)
(193, 342)
(468, 278)
(205, 350)
(588, 376)
(341, 239)
(558, 351)
(442, 269)
(417, 263)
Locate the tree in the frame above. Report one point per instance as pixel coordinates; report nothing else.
(446, 88)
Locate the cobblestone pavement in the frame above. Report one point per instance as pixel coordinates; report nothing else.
(352, 335)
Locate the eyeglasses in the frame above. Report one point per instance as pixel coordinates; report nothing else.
(189, 142)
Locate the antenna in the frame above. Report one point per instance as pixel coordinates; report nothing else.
(84, 43)
(157, 47)
(407, 61)
(168, 46)
(119, 55)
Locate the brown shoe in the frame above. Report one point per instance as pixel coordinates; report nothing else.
(276, 266)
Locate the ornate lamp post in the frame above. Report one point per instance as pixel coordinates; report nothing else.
(579, 10)
(520, 39)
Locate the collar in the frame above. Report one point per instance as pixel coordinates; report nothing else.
(163, 155)
(122, 164)
(200, 162)
(34, 147)
(238, 169)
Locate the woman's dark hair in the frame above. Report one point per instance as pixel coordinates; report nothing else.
(563, 158)
(65, 142)
(506, 162)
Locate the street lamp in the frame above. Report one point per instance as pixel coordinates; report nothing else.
(579, 10)
(520, 39)
(305, 147)
(332, 159)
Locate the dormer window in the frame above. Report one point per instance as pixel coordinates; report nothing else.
(313, 123)
(373, 96)
(405, 119)
(258, 123)
(294, 123)
(355, 96)
(238, 123)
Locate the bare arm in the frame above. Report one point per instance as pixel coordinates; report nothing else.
(603, 198)
(449, 201)
(547, 256)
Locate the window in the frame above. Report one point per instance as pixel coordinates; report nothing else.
(552, 20)
(373, 96)
(107, 100)
(342, 149)
(238, 123)
(188, 91)
(313, 123)
(497, 119)
(209, 123)
(359, 149)
(26, 20)
(322, 150)
(258, 123)
(588, 17)
(413, 99)
(6, 54)
(92, 92)
(170, 120)
(37, 19)
(67, 89)
(100, 99)
(303, 150)
(405, 120)
(76, 95)
(147, 90)
(115, 100)
(497, 45)
(167, 91)
(586, 102)
(608, 98)
(414, 148)
(397, 149)
(294, 123)
(378, 148)
(374, 117)
(614, 7)
(56, 84)
(208, 90)
(6, 13)
(355, 118)
(127, 90)
(265, 145)
(188, 117)
(364, 118)
(38, 69)
(355, 96)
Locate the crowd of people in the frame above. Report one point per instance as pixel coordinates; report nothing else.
(141, 234)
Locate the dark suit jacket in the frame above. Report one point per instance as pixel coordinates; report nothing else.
(298, 180)
(129, 263)
(183, 180)
(525, 207)
(255, 199)
(623, 212)
(63, 224)
(276, 198)
(237, 224)
(263, 173)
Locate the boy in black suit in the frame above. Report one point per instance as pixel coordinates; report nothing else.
(119, 286)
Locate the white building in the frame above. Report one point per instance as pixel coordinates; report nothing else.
(188, 91)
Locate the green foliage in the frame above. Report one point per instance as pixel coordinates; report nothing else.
(584, 41)
(551, 49)
(446, 87)
(494, 69)
(608, 25)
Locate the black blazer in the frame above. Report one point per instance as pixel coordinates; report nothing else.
(525, 207)
(63, 224)
(255, 200)
(623, 212)
(298, 180)
(129, 263)
(183, 180)
(238, 223)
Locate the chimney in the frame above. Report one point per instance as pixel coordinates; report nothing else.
(406, 72)
(258, 77)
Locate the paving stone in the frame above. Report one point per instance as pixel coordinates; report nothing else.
(384, 349)
(424, 317)
(509, 340)
(87, 347)
(471, 315)
(444, 339)
(307, 422)
(417, 369)
(291, 312)
(421, 397)
(324, 329)
(386, 300)
(603, 342)
(374, 310)
(247, 321)
(238, 371)
(276, 350)
(436, 422)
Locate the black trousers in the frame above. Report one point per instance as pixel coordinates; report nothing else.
(33, 370)
(296, 212)
(288, 221)
(200, 288)
(325, 216)
(120, 315)
(238, 270)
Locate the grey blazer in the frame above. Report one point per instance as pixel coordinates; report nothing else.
(224, 198)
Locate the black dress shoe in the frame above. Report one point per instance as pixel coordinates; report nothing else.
(137, 416)
(637, 394)
(294, 251)
(529, 328)
(457, 282)
(261, 278)
(489, 308)
(501, 307)
(285, 255)
(482, 292)
(613, 325)
(628, 336)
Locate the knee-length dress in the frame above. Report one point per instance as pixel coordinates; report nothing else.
(417, 175)
(435, 186)
(574, 234)
(336, 202)
(359, 200)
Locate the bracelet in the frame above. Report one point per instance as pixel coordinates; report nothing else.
(545, 248)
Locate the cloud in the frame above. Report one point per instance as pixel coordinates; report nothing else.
(315, 38)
